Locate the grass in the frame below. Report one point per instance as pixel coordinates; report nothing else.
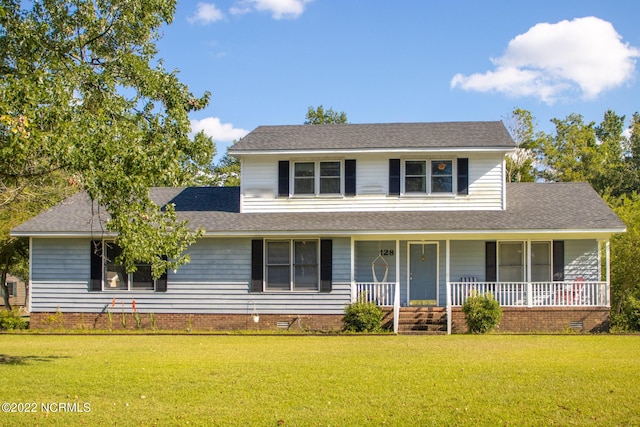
(323, 380)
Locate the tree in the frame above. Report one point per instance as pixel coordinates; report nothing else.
(625, 265)
(521, 163)
(227, 172)
(570, 154)
(613, 175)
(82, 97)
(319, 116)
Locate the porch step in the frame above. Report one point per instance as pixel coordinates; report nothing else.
(419, 320)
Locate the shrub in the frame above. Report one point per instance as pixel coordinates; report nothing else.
(362, 316)
(11, 319)
(482, 313)
(628, 318)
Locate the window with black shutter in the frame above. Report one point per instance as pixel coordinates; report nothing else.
(326, 265)
(463, 176)
(558, 260)
(283, 178)
(108, 275)
(394, 177)
(349, 177)
(490, 261)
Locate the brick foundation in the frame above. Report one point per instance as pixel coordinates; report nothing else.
(514, 319)
(187, 322)
(543, 319)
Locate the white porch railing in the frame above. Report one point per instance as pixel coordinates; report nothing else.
(386, 294)
(534, 294)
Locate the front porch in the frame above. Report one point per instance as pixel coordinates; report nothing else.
(443, 274)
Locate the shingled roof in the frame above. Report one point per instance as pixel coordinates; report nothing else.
(441, 135)
(560, 207)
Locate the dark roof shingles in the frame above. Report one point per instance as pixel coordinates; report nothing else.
(376, 136)
(558, 206)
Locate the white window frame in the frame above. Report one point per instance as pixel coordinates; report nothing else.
(291, 264)
(428, 177)
(316, 178)
(549, 264)
(527, 259)
(523, 260)
(129, 276)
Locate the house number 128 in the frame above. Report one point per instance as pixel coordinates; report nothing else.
(387, 252)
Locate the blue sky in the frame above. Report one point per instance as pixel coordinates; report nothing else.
(266, 61)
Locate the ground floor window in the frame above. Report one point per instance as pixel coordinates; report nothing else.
(513, 261)
(292, 265)
(116, 277)
(540, 261)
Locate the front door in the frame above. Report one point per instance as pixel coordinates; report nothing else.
(423, 274)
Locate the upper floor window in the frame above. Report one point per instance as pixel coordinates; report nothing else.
(435, 176)
(310, 178)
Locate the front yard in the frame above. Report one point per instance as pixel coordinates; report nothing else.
(319, 380)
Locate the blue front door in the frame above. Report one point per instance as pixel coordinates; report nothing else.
(423, 274)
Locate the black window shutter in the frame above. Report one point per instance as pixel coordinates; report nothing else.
(326, 265)
(161, 282)
(558, 260)
(95, 285)
(463, 176)
(283, 178)
(394, 177)
(257, 265)
(350, 177)
(491, 261)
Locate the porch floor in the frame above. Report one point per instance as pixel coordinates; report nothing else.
(418, 320)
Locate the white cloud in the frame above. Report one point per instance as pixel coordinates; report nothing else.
(279, 8)
(220, 132)
(551, 60)
(206, 13)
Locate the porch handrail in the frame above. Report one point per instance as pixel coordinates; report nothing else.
(385, 294)
(534, 294)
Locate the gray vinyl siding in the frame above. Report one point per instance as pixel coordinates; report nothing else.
(467, 260)
(369, 251)
(581, 260)
(215, 281)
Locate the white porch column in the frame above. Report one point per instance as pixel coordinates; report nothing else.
(396, 296)
(447, 250)
(529, 263)
(353, 271)
(608, 273)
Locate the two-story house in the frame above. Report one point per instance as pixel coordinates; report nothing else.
(414, 216)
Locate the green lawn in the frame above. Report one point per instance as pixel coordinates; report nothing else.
(321, 380)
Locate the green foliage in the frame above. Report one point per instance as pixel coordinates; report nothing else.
(86, 105)
(11, 320)
(227, 172)
(362, 316)
(482, 313)
(625, 264)
(319, 116)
